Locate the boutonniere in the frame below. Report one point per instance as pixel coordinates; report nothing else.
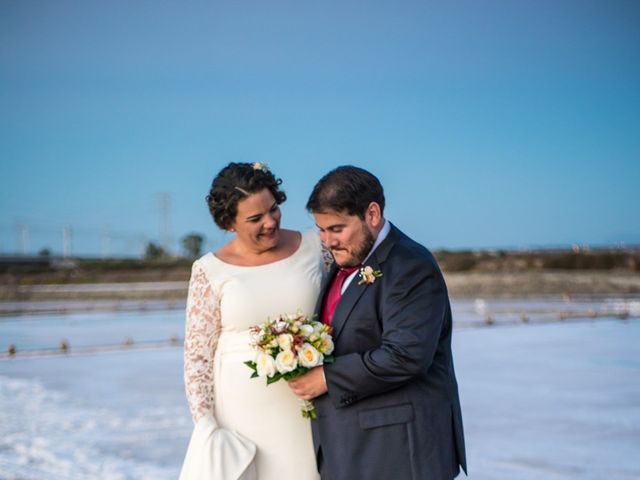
(368, 275)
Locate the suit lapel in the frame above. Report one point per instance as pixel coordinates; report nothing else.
(354, 291)
(346, 303)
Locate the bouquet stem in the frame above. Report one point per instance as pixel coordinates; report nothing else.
(308, 409)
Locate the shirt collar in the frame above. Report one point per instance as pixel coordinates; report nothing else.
(386, 228)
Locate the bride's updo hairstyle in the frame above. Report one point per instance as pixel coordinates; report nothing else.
(235, 182)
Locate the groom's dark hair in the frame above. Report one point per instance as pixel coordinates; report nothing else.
(346, 189)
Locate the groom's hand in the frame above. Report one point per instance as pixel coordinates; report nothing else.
(310, 385)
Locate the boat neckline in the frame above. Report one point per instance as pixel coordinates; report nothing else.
(297, 250)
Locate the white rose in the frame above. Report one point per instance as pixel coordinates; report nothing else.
(286, 361)
(309, 357)
(265, 365)
(306, 330)
(254, 336)
(285, 340)
(327, 344)
(317, 327)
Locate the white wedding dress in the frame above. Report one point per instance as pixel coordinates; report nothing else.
(224, 301)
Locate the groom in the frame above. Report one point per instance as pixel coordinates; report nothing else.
(388, 407)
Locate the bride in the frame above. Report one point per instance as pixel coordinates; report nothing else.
(244, 429)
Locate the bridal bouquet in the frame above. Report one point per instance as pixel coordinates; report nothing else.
(289, 346)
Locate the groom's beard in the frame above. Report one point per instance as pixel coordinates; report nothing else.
(361, 249)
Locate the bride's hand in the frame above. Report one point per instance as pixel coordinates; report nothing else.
(310, 385)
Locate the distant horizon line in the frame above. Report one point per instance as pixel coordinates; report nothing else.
(559, 248)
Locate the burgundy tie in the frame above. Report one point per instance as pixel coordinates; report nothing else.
(334, 293)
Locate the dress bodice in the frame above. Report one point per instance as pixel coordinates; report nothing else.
(248, 295)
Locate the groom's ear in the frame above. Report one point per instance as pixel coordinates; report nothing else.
(373, 215)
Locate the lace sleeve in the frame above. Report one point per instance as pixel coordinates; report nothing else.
(201, 338)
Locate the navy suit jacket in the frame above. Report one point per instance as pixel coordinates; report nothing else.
(392, 409)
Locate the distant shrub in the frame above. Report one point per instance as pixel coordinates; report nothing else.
(456, 261)
(501, 260)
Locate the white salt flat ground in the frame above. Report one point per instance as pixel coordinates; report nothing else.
(540, 401)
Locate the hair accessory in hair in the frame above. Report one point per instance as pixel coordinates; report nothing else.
(242, 190)
(260, 166)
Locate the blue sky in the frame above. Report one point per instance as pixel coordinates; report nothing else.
(491, 124)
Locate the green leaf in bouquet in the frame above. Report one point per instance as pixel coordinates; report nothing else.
(296, 373)
(329, 359)
(274, 379)
(252, 366)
